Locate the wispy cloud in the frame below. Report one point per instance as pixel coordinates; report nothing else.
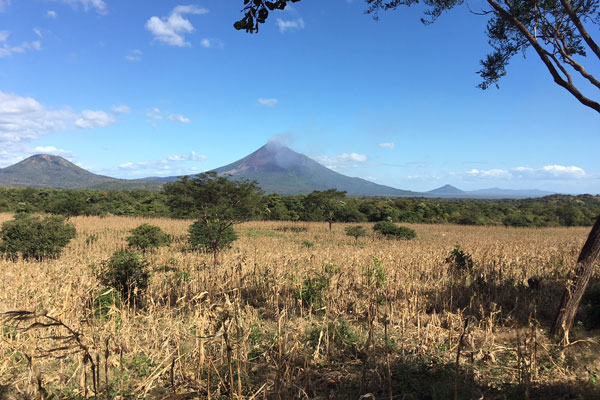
(134, 55)
(290, 25)
(159, 115)
(4, 5)
(211, 43)
(344, 160)
(97, 5)
(268, 102)
(171, 29)
(94, 119)
(120, 109)
(8, 50)
(174, 164)
(51, 14)
(389, 145)
(546, 173)
(179, 118)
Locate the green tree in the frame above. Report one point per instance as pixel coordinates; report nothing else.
(356, 232)
(147, 236)
(127, 272)
(216, 202)
(323, 206)
(558, 32)
(35, 238)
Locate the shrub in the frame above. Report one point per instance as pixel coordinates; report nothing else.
(35, 238)
(356, 232)
(312, 290)
(147, 236)
(104, 300)
(211, 237)
(126, 271)
(391, 230)
(460, 260)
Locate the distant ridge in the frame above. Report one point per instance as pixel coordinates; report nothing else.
(48, 171)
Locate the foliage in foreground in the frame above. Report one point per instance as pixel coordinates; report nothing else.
(35, 238)
(127, 272)
(147, 236)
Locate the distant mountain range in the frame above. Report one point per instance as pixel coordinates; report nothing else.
(449, 191)
(275, 167)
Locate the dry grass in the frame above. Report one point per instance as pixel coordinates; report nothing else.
(392, 317)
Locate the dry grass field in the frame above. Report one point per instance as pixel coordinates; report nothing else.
(295, 311)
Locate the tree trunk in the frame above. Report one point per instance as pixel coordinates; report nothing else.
(330, 222)
(577, 284)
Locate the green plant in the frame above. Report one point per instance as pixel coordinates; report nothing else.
(211, 237)
(307, 243)
(35, 238)
(391, 230)
(312, 290)
(126, 271)
(460, 260)
(104, 300)
(148, 236)
(376, 274)
(356, 232)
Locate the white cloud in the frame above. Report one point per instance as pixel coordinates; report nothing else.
(159, 115)
(97, 5)
(179, 118)
(211, 43)
(51, 150)
(94, 119)
(8, 50)
(134, 55)
(344, 160)
(290, 25)
(172, 165)
(24, 119)
(120, 109)
(51, 14)
(171, 29)
(38, 32)
(390, 145)
(268, 102)
(4, 5)
(548, 172)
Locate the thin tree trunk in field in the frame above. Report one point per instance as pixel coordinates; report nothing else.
(577, 284)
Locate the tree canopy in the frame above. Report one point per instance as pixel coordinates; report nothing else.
(557, 30)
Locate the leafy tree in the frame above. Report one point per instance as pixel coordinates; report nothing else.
(35, 238)
(391, 230)
(212, 237)
(558, 32)
(217, 203)
(356, 232)
(324, 205)
(147, 236)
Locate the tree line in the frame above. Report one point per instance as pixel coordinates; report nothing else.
(330, 205)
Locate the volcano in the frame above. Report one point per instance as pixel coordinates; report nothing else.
(279, 169)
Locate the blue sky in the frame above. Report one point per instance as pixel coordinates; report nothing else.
(131, 89)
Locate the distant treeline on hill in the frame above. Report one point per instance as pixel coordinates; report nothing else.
(555, 210)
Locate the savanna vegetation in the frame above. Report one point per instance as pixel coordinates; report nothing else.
(456, 312)
(556, 210)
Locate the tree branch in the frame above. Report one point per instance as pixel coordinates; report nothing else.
(584, 33)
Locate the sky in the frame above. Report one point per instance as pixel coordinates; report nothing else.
(132, 88)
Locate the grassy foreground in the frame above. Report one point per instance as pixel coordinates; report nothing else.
(297, 312)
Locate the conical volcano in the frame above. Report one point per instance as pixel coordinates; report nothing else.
(279, 169)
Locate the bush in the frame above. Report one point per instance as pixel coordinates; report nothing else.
(147, 236)
(35, 238)
(356, 231)
(460, 260)
(104, 300)
(211, 237)
(391, 230)
(126, 271)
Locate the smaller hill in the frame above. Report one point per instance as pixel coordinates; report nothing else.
(48, 171)
(446, 189)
